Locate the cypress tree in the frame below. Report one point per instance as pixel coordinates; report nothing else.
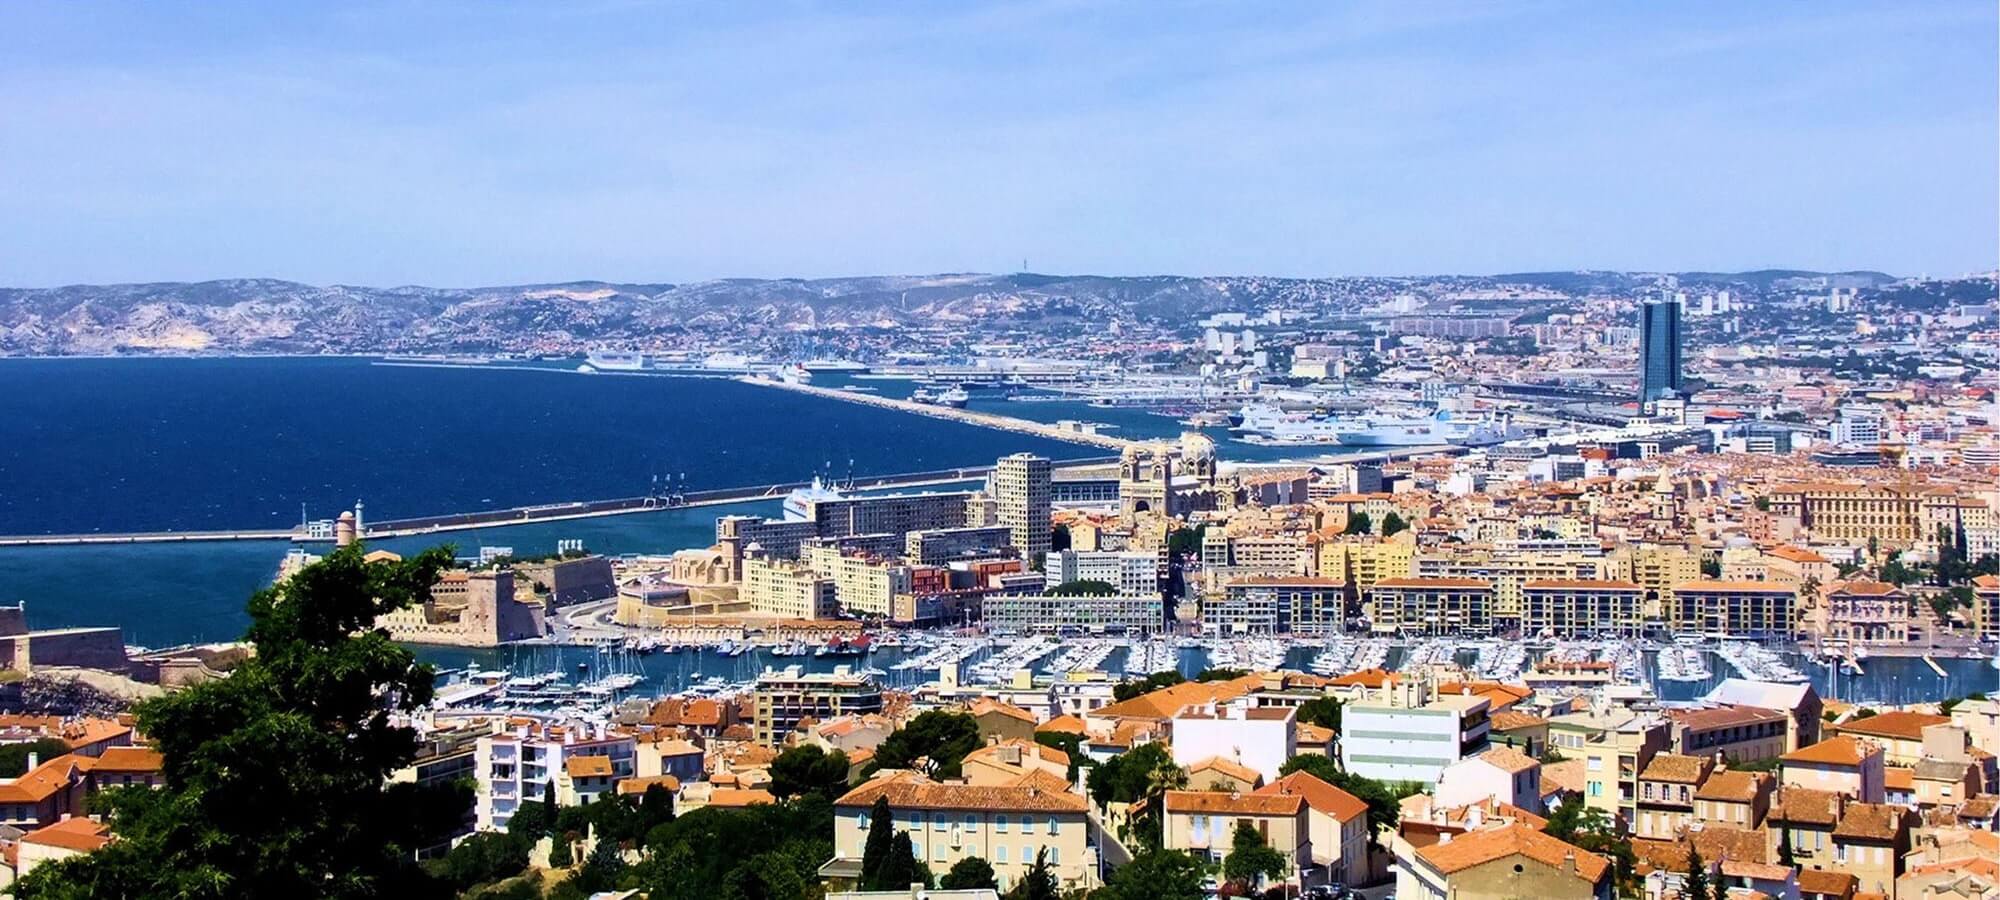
(881, 836)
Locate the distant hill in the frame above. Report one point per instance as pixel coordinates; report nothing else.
(258, 315)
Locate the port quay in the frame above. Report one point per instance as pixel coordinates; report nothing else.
(523, 515)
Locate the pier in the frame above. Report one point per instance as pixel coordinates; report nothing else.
(982, 419)
(524, 515)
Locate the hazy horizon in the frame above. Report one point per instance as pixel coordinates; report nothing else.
(454, 144)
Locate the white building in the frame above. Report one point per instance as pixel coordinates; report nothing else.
(1404, 733)
(512, 767)
(1137, 574)
(1260, 738)
(1502, 773)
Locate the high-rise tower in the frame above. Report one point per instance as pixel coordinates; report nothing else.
(1660, 349)
(1021, 494)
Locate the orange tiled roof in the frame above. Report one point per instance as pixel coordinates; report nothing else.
(1479, 847)
(1433, 583)
(1319, 795)
(1734, 786)
(76, 833)
(904, 793)
(587, 766)
(126, 759)
(1165, 702)
(41, 782)
(1898, 724)
(638, 785)
(1870, 821)
(1234, 803)
(1508, 759)
(1675, 768)
(1805, 805)
(1228, 767)
(1064, 725)
(1834, 751)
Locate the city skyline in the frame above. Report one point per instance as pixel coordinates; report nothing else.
(395, 145)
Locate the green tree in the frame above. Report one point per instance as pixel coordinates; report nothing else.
(900, 869)
(970, 873)
(1591, 829)
(1039, 883)
(771, 850)
(480, 858)
(1250, 858)
(1059, 539)
(1146, 772)
(1154, 875)
(1321, 711)
(1393, 523)
(562, 854)
(1082, 587)
(1185, 541)
(14, 757)
(1126, 690)
(1358, 523)
(1207, 675)
(530, 821)
(881, 837)
(938, 737)
(1694, 884)
(275, 779)
(808, 769)
(1069, 743)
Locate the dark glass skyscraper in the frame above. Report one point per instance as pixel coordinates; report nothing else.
(1660, 349)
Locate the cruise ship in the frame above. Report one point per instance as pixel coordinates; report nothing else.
(1423, 431)
(1268, 423)
(616, 360)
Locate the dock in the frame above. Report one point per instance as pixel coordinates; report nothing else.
(524, 515)
(982, 419)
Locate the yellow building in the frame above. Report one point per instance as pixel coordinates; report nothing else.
(787, 588)
(1008, 826)
(1986, 607)
(1896, 515)
(1362, 563)
(1509, 571)
(1504, 863)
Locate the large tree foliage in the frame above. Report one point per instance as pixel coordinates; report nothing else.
(941, 738)
(1694, 884)
(1039, 883)
(1321, 711)
(1126, 690)
(1154, 875)
(275, 777)
(808, 769)
(881, 836)
(761, 852)
(970, 873)
(1251, 858)
(1145, 772)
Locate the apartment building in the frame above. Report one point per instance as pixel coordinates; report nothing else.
(784, 696)
(1755, 609)
(1008, 826)
(1132, 573)
(1579, 608)
(1667, 789)
(1406, 731)
(1871, 611)
(516, 765)
(1274, 604)
(863, 584)
(1431, 606)
(1842, 764)
(1363, 562)
(1615, 746)
(1736, 733)
(1336, 825)
(789, 588)
(1511, 571)
(1041, 614)
(1894, 514)
(1203, 824)
(1734, 799)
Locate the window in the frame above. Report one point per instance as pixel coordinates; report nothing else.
(1027, 854)
(940, 821)
(1053, 823)
(1000, 825)
(1027, 825)
(971, 821)
(1055, 854)
(1000, 853)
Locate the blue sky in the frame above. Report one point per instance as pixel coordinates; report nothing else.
(483, 143)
